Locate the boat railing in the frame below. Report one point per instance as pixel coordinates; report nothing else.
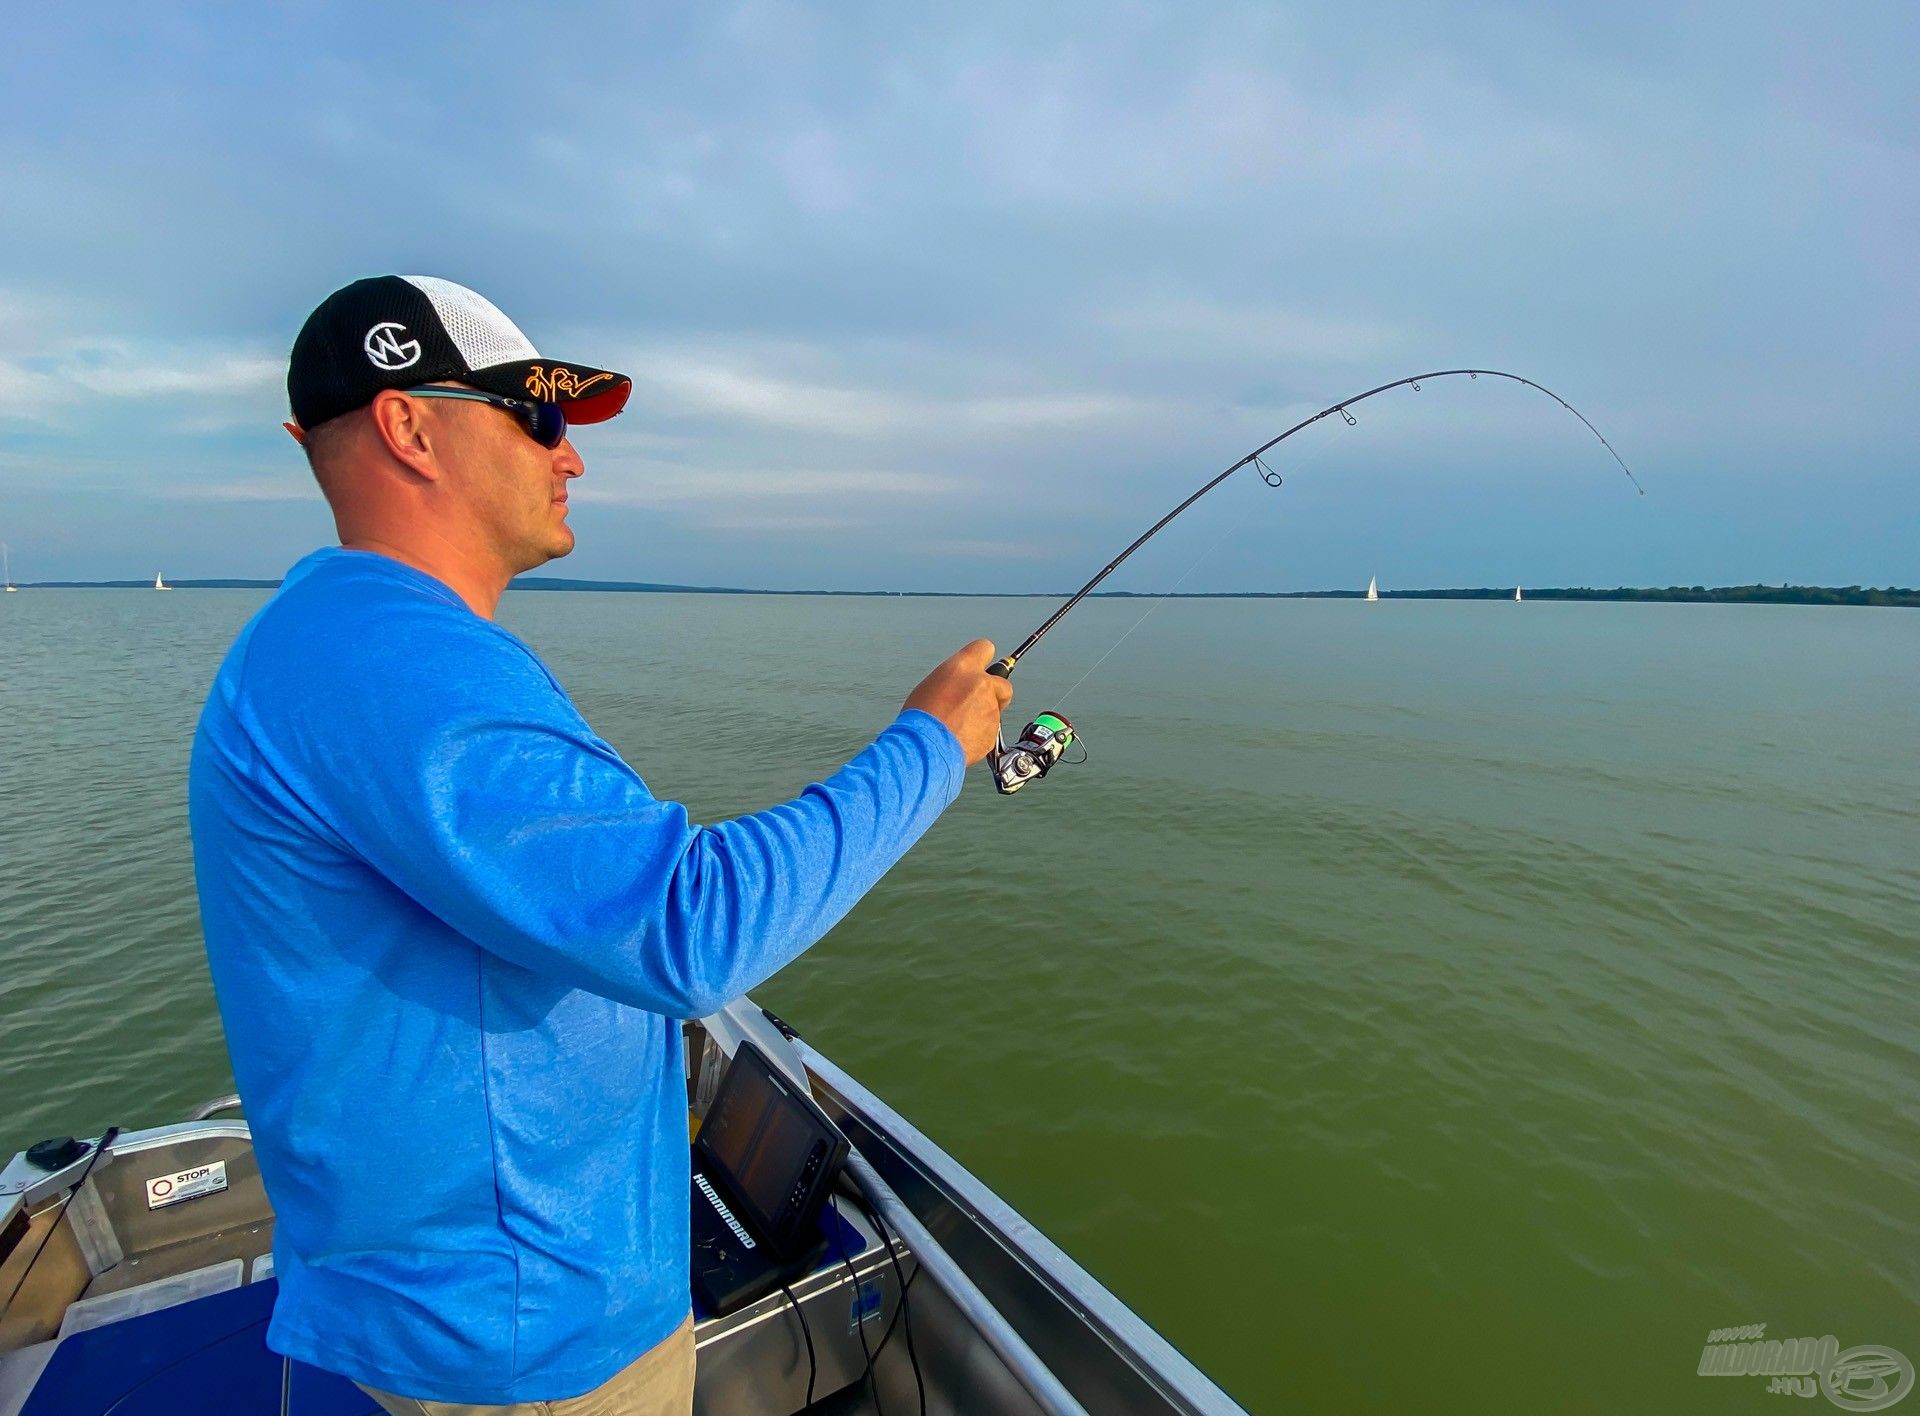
(1047, 1298)
(1041, 1384)
(214, 1107)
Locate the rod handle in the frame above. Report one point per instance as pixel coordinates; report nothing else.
(1001, 668)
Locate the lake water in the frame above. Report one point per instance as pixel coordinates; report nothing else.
(1412, 1007)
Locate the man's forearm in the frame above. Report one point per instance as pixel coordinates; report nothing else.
(753, 893)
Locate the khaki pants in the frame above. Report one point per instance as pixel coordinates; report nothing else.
(657, 1383)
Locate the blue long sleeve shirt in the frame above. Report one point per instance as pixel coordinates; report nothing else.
(451, 933)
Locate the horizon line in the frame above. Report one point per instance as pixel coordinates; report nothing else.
(567, 584)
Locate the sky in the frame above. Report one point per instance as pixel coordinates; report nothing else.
(962, 297)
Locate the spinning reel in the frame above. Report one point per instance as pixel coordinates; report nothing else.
(1033, 754)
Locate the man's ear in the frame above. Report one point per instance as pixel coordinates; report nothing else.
(294, 432)
(401, 424)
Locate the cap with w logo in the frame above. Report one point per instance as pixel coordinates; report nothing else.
(397, 331)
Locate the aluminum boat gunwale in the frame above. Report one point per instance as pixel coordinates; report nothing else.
(1002, 1320)
(1183, 1385)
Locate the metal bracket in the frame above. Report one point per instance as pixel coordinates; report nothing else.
(1267, 475)
(1352, 422)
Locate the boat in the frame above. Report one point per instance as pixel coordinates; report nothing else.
(1517, 596)
(139, 1269)
(159, 583)
(1373, 589)
(6, 569)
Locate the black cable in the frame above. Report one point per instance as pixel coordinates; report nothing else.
(894, 1321)
(901, 1308)
(813, 1367)
(906, 1304)
(99, 1149)
(859, 1318)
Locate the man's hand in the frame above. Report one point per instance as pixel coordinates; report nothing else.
(964, 696)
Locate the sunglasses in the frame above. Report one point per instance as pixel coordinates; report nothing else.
(545, 423)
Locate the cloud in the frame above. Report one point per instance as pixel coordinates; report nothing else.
(1019, 413)
(989, 549)
(933, 272)
(264, 488)
(736, 388)
(692, 385)
(48, 372)
(1195, 325)
(778, 523)
(661, 486)
(1070, 127)
(118, 369)
(816, 176)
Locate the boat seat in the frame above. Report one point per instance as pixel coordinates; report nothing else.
(206, 1350)
(209, 1354)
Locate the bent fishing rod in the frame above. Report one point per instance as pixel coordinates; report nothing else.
(1043, 741)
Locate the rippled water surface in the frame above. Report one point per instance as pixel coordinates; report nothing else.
(1413, 1007)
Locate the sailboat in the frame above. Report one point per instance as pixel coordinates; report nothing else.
(1517, 596)
(6, 568)
(159, 583)
(1373, 589)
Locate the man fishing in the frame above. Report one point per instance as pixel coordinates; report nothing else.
(451, 932)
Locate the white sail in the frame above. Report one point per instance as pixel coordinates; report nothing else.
(1373, 588)
(159, 582)
(6, 567)
(1517, 596)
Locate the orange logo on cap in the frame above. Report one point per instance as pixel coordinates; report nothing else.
(559, 382)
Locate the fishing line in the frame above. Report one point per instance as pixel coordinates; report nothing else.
(1312, 457)
(1043, 741)
(1158, 601)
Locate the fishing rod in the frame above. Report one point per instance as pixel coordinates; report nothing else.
(1042, 742)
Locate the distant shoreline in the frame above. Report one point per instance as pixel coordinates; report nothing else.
(1891, 596)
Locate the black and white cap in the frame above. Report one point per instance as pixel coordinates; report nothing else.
(398, 331)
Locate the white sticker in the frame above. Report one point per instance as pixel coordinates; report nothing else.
(186, 1185)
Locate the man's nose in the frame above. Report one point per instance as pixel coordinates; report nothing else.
(566, 461)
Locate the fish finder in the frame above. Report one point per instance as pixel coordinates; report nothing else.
(763, 1164)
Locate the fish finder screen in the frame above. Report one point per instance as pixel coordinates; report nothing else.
(761, 1137)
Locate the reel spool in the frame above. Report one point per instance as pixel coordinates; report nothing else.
(1032, 755)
